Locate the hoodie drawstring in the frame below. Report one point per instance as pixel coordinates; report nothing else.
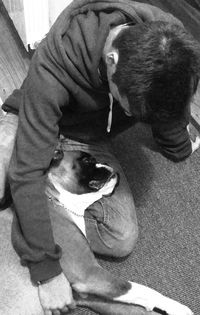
(110, 113)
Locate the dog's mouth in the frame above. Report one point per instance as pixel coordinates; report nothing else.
(101, 175)
(95, 175)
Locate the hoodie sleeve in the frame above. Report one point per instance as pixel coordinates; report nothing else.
(39, 101)
(173, 140)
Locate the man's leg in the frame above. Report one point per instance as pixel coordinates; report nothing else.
(8, 129)
(111, 224)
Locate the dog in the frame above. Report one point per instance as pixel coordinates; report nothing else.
(75, 181)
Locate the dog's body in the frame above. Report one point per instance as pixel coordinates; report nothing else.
(75, 181)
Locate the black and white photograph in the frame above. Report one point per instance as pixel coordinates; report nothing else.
(99, 157)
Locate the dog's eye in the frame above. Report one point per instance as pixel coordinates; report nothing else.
(88, 160)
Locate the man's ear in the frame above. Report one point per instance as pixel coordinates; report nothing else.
(112, 58)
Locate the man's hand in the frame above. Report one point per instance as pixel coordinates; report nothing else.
(56, 296)
(194, 138)
(195, 144)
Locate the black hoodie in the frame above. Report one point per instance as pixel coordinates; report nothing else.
(65, 91)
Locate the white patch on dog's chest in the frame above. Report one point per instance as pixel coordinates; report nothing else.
(74, 209)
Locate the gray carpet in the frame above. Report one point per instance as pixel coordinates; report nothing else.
(167, 198)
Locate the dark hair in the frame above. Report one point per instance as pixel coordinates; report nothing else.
(158, 69)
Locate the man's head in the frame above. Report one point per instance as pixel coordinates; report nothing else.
(153, 69)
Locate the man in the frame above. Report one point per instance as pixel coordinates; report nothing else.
(102, 66)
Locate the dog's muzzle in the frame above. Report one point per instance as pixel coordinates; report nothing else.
(101, 172)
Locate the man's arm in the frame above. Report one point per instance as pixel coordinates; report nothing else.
(39, 100)
(174, 140)
(35, 143)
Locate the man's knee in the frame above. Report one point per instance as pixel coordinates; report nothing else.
(124, 244)
(111, 224)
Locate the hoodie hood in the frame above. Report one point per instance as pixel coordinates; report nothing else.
(80, 46)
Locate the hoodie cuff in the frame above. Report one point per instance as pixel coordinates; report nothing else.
(179, 155)
(44, 270)
(173, 141)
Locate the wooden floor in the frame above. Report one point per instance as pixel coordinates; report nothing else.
(14, 59)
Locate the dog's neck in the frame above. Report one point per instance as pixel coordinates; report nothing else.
(74, 202)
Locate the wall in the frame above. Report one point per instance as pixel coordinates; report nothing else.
(55, 8)
(33, 18)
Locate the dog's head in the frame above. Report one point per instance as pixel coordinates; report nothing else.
(78, 172)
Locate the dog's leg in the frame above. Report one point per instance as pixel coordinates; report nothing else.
(107, 307)
(152, 299)
(102, 283)
(100, 288)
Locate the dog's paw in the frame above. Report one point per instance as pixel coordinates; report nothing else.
(172, 307)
